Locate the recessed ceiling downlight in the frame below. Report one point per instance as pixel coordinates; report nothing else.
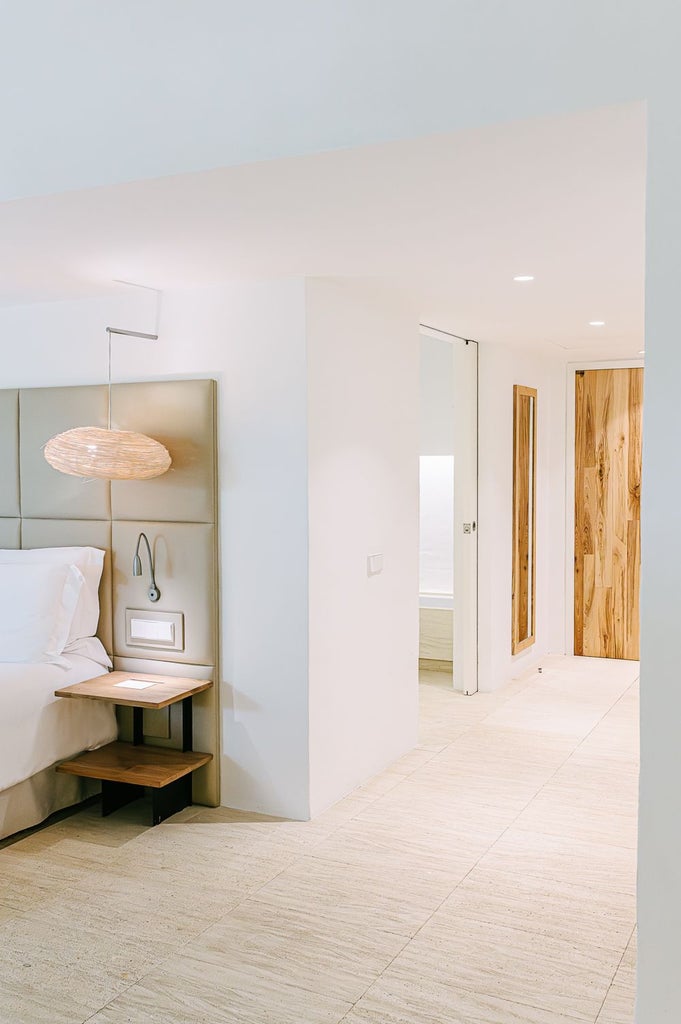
(523, 277)
(642, 352)
(596, 323)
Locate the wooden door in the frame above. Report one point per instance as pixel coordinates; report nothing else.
(608, 410)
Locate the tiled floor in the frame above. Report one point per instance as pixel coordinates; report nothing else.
(485, 878)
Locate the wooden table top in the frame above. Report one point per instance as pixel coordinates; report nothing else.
(138, 765)
(164, 690)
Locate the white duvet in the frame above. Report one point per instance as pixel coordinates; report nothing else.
(36, 728)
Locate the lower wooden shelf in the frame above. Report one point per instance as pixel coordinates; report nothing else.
(135, 764)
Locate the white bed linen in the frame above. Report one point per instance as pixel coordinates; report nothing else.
(36, 728)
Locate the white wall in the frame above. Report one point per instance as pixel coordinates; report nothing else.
(317, 695)
(251, 337)
(61, 343)
(659, 912)
(363, 354)
(500, 367)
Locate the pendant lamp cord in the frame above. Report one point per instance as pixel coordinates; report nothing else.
(128, 334)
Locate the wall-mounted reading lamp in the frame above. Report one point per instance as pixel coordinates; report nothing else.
(153, 592)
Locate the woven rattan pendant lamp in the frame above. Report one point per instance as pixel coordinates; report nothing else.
(106, 454)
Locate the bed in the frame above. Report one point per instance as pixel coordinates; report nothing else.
(49, 610)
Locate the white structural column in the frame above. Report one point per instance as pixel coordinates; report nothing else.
(659, 979)
(363, 430)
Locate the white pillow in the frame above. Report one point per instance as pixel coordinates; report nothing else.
(90, 561)
(37, 605)
(89, 647)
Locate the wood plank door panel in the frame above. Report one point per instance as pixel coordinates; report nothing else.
(608, 423)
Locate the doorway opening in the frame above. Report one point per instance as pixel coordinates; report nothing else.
(448, 555)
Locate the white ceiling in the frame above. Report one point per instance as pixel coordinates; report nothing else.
(450, 218)
(101, 93)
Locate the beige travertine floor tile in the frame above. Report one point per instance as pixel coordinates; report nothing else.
(441, 856)
(545, 906)
(114, 831)
(629, 958)
(561, 716)
(509, 963)
(7, 913)
(167, 845)
(381, 784)
(413, 1000)
(557, 812)
(616, 781)
(21, 1004)
(203, 994)
(228, 871)
(619, 1004)
(592, 865)
(448, 819)
(412, 761)
(66, 971)
(487, 878)
(194, 898)
(25, 883)
(451, 805)
(325, 894)
(244, 829)
(257, 943)
(618, 1007)
(138, 913)
(489, 745)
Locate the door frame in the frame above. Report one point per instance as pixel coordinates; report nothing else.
(466, 637)
(571, 370)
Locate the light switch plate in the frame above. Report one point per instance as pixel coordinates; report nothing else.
(374, 564)
(154, 630)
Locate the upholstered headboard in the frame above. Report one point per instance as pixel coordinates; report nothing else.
(40, 507)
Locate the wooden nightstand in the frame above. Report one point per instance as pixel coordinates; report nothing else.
(126, 768)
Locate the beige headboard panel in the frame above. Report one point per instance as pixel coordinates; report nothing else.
(40, 507)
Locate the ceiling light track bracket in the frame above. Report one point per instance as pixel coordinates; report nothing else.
(131, 334)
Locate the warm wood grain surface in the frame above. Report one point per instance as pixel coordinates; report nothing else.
(166, 689)
(139, 765)
(524, 518)
(608, 422)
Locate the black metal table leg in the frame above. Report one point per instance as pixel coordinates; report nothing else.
(138, 726)
(118, 794)
(170, 799)
(187, 724)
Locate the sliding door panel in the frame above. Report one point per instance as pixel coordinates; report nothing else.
(608, 426)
